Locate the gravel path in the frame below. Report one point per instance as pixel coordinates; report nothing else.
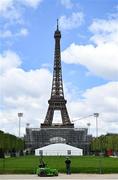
(62, 176)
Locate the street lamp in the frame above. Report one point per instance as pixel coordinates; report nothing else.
(96, 115)
(20, 115)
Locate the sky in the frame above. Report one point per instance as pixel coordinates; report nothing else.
(89, 54)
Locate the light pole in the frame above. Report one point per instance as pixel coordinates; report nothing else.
(20, 115)
(88, 124)
(27, 125)
(96, 115)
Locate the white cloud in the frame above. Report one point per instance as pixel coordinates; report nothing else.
(20, 90)
(101, 60)
(8, 60)
(8, 5)
(73, 21)
(103, 100)
(12, 16)
(23, 32)
(107, 100)
(99, 57)
(5, 4)
(10, 11)
(6, 34)
(10, 34)
(29, 91)
(104, 31)
(67, 3)
(32, 3)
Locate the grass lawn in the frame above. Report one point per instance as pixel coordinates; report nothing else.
(85, 164)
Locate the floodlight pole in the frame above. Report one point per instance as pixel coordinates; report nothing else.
(96, 115)
(27, 125)
(20, 115)
(88, 124)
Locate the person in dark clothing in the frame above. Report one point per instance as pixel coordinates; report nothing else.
(42, 164)
(68, 162)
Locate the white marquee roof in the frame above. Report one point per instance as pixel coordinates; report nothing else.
(59, 146)
(59, 149)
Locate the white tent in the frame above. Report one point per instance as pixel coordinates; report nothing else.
(58, 149)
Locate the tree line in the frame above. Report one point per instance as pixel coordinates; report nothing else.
(10, 144)
(105, 143)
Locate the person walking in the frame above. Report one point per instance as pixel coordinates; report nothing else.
(68, 163)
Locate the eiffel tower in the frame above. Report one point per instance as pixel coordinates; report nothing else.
(50, 132)
(57, 100)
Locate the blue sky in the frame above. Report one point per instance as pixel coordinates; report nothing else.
(89, 47)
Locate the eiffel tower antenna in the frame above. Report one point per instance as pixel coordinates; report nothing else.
(57, 24)
(57, 100)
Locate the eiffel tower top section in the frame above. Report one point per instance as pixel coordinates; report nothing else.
(57, 85)
(57, 101)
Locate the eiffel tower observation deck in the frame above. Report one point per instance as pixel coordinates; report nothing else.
(57, 100)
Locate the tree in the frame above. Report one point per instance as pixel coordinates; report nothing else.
(9, 142)
(105, 142)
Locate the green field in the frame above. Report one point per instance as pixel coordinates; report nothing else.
(85, 164)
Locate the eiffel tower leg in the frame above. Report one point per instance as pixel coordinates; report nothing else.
(65, 116)
(49, 116)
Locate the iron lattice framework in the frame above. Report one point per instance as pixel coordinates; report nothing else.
(57, 101)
